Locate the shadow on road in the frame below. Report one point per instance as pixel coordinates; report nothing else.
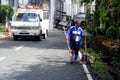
(56, 41)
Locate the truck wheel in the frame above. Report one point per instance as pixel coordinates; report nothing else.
(43, 36)
(38, 38)
(15, 38)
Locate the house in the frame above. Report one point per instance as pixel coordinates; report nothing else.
(59, 9)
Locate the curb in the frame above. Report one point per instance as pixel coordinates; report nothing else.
(86, 70)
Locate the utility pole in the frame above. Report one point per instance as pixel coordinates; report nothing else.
(52, 11)
(72, 9)
(15, 5)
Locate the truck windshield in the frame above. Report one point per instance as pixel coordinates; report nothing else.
(29, 17)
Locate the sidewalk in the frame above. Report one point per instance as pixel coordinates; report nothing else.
(3, 35)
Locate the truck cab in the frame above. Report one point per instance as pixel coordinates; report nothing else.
(30, 23)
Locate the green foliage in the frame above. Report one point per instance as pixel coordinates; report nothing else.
(3, 29)
(101, 69)
(89, 29)
(116, 58)
(111, 32)
(94, 55)
(100, 66)
(5, 11)
(107, 13)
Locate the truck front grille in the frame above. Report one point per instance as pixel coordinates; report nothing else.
(25, 28)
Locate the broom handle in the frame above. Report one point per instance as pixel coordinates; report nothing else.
(66, 40)
(85, 45)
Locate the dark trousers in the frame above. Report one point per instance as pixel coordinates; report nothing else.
(75, 52)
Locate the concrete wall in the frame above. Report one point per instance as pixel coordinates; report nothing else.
(82, 8)
(72, 7)
(5, 2)
(68, 7)
(23, 2)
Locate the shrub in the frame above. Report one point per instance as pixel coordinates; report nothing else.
(101, 70)
(5, 11)
(3, 29)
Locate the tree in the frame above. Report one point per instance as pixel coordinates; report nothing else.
(5, 11)
(106, 17)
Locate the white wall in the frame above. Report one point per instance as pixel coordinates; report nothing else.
(23, 2)
(82, 9)
(68, 7)
(5, 2)
(75, 9)
(93, 7)
(15, 5)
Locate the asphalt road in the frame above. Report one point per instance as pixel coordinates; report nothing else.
(38, 60)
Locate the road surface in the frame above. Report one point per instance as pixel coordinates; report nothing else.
(38, 60)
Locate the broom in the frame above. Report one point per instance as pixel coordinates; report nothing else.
(85, 56)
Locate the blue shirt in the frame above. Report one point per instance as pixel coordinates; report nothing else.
(77, 33)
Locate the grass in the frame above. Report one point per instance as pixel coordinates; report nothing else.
(3, 29)
(100, 68)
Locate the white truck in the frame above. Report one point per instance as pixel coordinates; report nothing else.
(30, 22)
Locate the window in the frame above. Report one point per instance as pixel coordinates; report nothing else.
(46, 15)
(11, 2)
(34, 2)
(29, 17)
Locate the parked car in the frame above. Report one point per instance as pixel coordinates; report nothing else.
(81, 16)
(65, 22)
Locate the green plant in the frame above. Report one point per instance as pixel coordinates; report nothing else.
(101, 70)
(89, 29)
(5, 11)
(111, 32)
(3, 29)
(116, 58)
(94, 55)
(106, 14)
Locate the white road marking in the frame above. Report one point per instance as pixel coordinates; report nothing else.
(18, 48)
(2, 58)
(87, 72)
(89, 77)
(85, 69)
